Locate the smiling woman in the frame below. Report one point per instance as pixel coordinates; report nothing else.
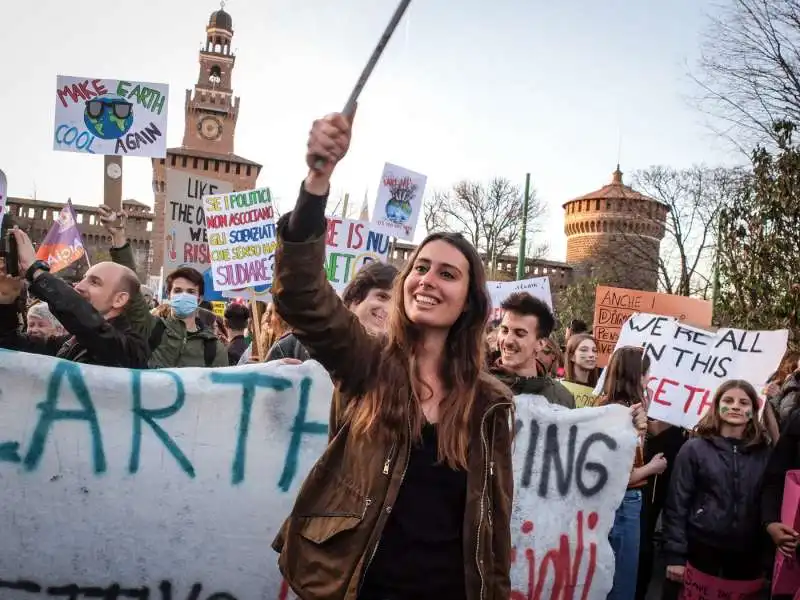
(412, 498)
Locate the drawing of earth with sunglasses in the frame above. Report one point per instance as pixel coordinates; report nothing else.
(108, 117)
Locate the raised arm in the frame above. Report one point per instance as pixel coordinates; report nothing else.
(301, 292)
(137, 311)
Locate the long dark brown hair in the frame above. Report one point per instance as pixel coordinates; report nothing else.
(569, 365)
(383, 410)
(624, 377)
(788, 366)
(711, 423)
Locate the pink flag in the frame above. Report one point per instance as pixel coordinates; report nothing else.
(63, 244)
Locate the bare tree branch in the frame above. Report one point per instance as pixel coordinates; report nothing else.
(489, 215)
(750, 67)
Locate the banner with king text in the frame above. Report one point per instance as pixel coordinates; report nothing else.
(688, 363)
(171, 484)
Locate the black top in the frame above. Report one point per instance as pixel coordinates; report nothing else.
(236, 348)
(421, 552)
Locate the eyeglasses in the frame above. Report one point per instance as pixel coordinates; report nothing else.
(120, 108)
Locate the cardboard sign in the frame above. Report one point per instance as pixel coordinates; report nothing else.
(399, 202)
(584, 394)
(241, 238)
(185, 233)
(613, 306)
(172, 483)
(538, 287)
(688, 364)
(111, 116)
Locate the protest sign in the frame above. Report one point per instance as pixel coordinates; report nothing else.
(350, 245)
(173, 483)
(614, 305)
(538, 287)
(63, 244)
(786, 571)
(399, 202)
(584, 394)
(571, 469)
(186, 236)
(688, 364)
(241, 237)
(700, 586)
(110, 116)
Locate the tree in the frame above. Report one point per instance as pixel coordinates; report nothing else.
(488, 215)
(760, 243)
(693, 198)
(576, 301)
(750, 68)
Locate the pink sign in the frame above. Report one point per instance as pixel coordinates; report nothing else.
(786, 575)
(699, 586)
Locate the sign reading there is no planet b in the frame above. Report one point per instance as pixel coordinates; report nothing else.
(111, 117)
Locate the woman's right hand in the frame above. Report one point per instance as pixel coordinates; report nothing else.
(784, 538)
(657, 464)
(329, 140)
(675, 573)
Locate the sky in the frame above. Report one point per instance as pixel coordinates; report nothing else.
(467, 89)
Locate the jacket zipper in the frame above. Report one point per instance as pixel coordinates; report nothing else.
(735, 486)
(402, 477)
(488, 468)
(389, 459)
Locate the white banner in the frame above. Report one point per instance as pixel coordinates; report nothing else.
(110, 116)
(688, 364)
(399, 202)
(538, 287)
(172, 484)
(185, 233)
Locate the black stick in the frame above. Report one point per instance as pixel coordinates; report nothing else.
(350, 107)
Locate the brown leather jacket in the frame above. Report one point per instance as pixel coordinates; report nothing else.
(330, 537)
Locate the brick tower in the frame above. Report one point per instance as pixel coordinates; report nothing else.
(615, 234)
(211, 112)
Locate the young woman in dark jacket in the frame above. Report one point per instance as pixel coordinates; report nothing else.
(711, 519)
(412, 498)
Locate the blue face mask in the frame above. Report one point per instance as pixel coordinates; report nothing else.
(183, 304)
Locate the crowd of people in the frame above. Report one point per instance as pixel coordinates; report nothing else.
(413, 497)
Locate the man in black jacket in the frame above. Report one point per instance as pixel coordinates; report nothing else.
(92, 312)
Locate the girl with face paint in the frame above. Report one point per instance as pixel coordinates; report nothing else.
(712, 515)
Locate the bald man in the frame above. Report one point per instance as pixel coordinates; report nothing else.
(92, 312)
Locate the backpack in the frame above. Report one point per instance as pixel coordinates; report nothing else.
(209, 345)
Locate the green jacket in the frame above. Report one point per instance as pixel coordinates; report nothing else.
(177, 347)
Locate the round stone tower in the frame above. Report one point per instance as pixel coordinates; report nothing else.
(615, 234)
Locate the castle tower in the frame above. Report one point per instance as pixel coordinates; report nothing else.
(615, 234)
(210, 112)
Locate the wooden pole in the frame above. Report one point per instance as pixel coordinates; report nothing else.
(112, 182)
(257, 352)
